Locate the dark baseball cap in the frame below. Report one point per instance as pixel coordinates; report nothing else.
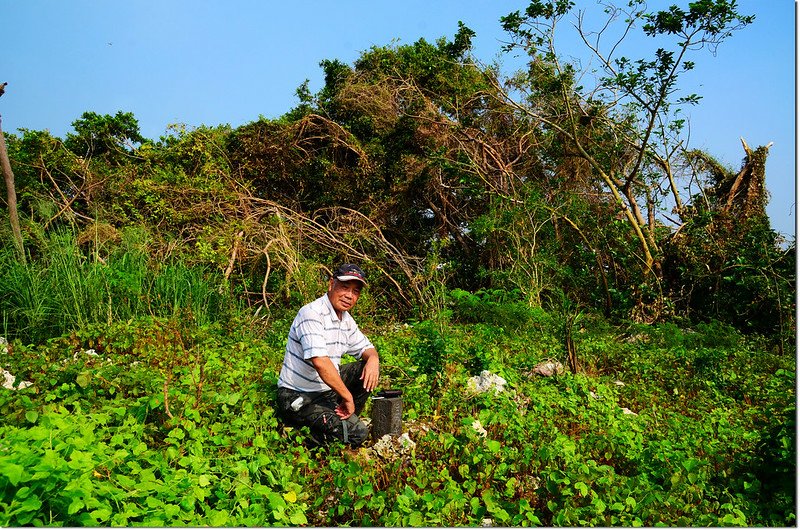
(348, 271)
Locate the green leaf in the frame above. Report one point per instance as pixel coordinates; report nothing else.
(23, 492)
(298, 518)
(32, 416)
(75, 506)
(177, 433)
(101, 514)
(13, 472)
(599, 505)
(83, 379)
(31, 504)
(171, 510)
(501, 515)
(583, 488)
(691, 464)
(125, 481)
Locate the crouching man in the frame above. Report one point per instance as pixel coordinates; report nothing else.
(314, 388)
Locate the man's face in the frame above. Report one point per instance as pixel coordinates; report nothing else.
(343, 295)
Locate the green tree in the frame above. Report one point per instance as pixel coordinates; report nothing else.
(106, 136)
(624, 125)
(725, 261)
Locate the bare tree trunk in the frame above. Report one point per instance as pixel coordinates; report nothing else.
(12, 196)
(572, 352)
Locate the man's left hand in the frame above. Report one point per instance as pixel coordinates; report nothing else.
(370, 373)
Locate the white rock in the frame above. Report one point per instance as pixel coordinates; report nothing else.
(479, 428)
(9, 379)
(626, 410)
(406, 442)
(90, 352)
(548, 368)
(619, 383)
(389, 447)
(485, 382)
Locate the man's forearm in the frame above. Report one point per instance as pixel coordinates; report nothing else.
(371, 369)
(330, 376)
(370, 354)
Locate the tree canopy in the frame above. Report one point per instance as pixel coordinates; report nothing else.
(437, 170)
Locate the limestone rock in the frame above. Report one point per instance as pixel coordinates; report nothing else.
(9, 379)
(485, 382)
(390, 447)
(548, 368)
(479, 428)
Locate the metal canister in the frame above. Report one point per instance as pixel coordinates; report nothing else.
(387, 413)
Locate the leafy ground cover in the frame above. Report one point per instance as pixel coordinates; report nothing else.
(155, 422)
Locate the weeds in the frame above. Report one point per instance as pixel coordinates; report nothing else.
(93, 443)
(152, 396)
(72, 291)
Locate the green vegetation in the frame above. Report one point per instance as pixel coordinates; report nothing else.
(68, 290)
(171, 424)
(503, 222)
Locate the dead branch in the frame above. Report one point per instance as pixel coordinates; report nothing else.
(11, 193)
(751, 180)
(231, 262)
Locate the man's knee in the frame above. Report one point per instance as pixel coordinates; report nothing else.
(288, 403)
(351, 373)
(330, 427)
(357, 431)
(299, 410)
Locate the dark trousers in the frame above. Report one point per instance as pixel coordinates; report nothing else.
(316, 410)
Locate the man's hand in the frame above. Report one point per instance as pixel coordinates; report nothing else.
(345, 408)
(328, 373)
(371, 371)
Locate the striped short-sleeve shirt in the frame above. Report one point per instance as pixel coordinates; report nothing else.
(318, 332)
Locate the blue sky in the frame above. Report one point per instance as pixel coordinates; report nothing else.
(198, 62)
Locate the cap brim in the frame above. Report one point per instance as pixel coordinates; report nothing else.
(346, 278)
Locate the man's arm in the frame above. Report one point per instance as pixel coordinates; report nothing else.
(371, 369)
(330, 376)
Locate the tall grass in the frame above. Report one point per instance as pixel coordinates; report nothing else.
(65, 290)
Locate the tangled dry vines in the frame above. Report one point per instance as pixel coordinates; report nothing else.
(286, 238)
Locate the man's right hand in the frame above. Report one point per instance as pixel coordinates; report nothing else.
(345, 408)
(330, 375)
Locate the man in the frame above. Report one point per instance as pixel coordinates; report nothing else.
(314, 388)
